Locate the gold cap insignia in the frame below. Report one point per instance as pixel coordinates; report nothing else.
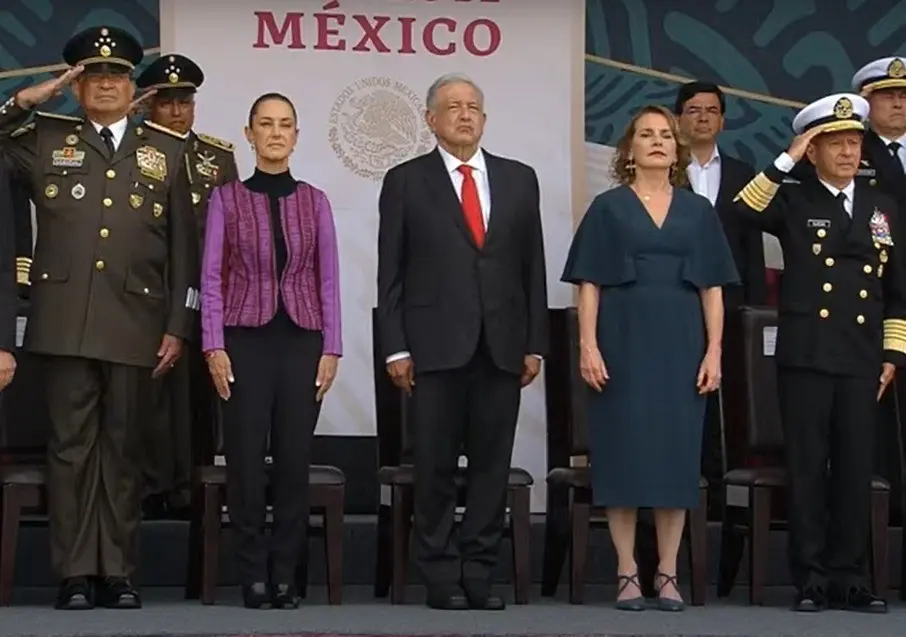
(105, 51)
(173, 77)
(843, 109)
(896, 68)
(135, 200)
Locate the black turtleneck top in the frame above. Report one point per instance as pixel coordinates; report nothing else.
(275, 186)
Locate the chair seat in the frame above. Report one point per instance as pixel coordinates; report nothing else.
(319, 475)
(579, 478)
(404, 474)
(34, 475)
(775, 477)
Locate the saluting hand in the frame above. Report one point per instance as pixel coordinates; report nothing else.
(801, 142)
(888, 371)
(170, 349)
(591, 365)
(40, 93)
(221, 370)
(327, 372)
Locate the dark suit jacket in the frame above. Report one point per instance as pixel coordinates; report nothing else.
(9, 302)
(744, 238)
(438, 293)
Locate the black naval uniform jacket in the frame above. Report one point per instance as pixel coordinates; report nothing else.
(842, 304)
(209, 162)
(116, 261)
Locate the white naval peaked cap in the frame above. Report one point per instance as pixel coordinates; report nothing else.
(883, 73)
(840, 111)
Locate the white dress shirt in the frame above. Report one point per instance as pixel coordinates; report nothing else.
(901, 152)
(480, 175)
(705, 178)
(848, 193)
(118, 129)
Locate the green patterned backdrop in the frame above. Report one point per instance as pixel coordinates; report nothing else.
(771, 54)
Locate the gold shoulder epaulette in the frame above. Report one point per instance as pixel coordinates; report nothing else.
(22, 130)
(67, 118)
(222, 144)
(164, 129)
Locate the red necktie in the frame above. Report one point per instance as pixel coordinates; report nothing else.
(471, 205)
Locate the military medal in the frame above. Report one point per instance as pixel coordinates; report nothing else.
(152, 163)
(135, 200)
(816, 248)
(158, 209)
(205, 166)
(880, 228)
(883, 256)
(72, 140)
(68, 157)
(196, 198)
(51, 191)
(78, 191)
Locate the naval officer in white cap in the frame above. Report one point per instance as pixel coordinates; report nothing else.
(841, 336)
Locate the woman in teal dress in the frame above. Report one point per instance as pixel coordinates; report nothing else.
(650, 259)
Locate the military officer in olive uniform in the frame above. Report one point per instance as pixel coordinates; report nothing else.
(113, 295)
(184, 431)
(841, 335)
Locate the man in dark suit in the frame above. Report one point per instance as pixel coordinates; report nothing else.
(462, 306)
(700, 108)
(113, 296)
(185, 428)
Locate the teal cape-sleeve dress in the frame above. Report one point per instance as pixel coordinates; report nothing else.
(645, 427)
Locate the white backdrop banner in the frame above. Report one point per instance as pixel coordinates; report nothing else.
(358, 71)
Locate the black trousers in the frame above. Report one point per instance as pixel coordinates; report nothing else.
(829, 429)
(272, 403)
(470, 410)
(93, 460)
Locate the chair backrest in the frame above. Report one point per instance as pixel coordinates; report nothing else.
(24, 419)
(759, 332)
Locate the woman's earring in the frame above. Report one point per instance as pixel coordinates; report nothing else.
(630, 165)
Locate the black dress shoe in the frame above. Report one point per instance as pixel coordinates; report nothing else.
(118, 592)
(75, 593)
(478, 592)
(285, 596)
(858, 599)
(810, 600)
(255, 595)
(447, 598)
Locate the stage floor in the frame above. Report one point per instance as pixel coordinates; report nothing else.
(165, 613)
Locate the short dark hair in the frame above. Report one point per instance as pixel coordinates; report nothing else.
(691, 89)
(266, 98)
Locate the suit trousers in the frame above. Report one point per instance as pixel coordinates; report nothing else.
(829, 428)
(471, 410)
(272, 403)
(94, 458)
(183, 430)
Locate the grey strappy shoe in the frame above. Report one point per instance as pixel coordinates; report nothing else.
(665, 603)
(634, 603)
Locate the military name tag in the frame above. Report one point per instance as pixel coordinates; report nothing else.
(206, 166)
(866, 172)
(819, 223)
(152, 163)
(68, 157)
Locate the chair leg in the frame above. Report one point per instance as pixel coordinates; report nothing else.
(10, 518)
(333, 543)
(880, 520)
(194, 557)
(401, 512)
(520, 532)
(698, 548)
(556, 538)
(580, 521)
(759, 539)
(732, 544)
(383, 564)
(210, 542)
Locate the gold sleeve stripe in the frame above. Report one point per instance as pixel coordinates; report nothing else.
(23, 260)
(758, 193)
(895, 335)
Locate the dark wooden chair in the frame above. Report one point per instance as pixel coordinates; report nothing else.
(24, 431)
(576, 481)
(327, 497)
(759, 472)
(396, 481)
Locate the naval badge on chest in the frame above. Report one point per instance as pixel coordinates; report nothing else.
(206, 166)
(880, 228)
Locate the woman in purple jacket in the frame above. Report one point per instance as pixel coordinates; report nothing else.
(270, 317)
